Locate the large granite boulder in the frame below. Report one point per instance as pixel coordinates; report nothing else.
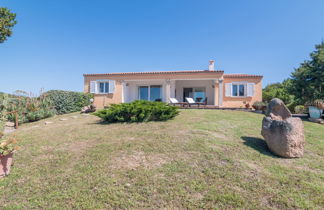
(283, 133)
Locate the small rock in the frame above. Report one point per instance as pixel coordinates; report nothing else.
(63, 119)
(8, 130)
(127, 185)
(316, 120)
(88, 109)
(48, 122)
(10, 124)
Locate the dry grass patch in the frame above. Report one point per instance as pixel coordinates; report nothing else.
(202, 159)
(138, 159)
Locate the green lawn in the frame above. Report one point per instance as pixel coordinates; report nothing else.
(201, 159)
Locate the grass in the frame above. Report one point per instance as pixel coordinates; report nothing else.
(201, 159)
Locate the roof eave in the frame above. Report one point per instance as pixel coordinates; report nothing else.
(157, 72)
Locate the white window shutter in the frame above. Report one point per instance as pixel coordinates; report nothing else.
(93, 86)
(111, 86)
(250, 89)
(228, 89)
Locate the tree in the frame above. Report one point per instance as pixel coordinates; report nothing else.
(307, 81)
(7, 22)
(278, 90)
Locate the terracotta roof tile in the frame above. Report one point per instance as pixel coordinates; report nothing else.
(156, 72)
(241, 75)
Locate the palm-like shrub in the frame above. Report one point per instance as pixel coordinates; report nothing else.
(138, 111)
(29, 108)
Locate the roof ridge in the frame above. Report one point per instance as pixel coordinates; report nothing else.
(159, 72)
(242, 75)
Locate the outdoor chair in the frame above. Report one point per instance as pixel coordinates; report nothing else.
(192, 102)
(174, 102)
(205, 102)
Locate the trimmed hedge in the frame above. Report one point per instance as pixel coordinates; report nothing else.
(68, 101)
(138, 111)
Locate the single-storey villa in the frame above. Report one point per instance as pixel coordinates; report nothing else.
(212, 86)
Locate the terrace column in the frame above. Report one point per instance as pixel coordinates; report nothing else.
(123, 92)
(172, 89)
(216, 92)
(167, 90)
(220, 94)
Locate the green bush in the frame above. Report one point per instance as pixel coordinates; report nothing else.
(138, 111)
(259, 105)
(300, 109)
(67, 101)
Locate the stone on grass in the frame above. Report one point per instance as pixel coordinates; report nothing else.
(278, 110)
(88, 109)
(8, 130)
(10, 124)
(316, 120)
(283, 134)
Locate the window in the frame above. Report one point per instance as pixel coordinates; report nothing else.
(238, 90)
(155, 93)
(197, 93)
(103, 87)
(143, 93)
(152, 93)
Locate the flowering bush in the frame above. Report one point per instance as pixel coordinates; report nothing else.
(8, 146)
(317, 103)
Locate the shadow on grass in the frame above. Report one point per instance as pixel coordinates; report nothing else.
(258, 144)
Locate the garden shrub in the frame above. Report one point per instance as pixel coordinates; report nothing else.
(259, 105)
(300, 109)
(29, 108)
(68, 101)
(138, 111)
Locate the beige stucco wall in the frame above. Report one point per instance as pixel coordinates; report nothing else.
(207, 84)
(101, 100)
(237, 102)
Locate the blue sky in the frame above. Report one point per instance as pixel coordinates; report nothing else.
(55, 42)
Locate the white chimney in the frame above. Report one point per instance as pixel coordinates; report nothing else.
(211, 65)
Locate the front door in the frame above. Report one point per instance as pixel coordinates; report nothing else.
(187, 93)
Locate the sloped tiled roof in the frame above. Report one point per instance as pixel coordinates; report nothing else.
(157, 72)
(241, 75)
